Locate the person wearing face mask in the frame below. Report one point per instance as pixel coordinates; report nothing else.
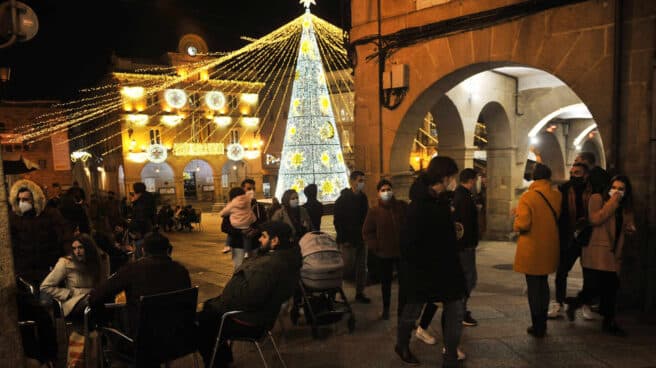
(431, 271)
(611, 217)
(381, 234)
(350, 211)
(37, 232)
(538, 246)
(293, 215)
(573, 231)
(37, 240)
(258, 288)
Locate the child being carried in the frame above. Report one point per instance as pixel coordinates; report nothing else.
(239, 210)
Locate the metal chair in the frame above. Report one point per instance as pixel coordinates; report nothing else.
(255, 340)
(155, 342)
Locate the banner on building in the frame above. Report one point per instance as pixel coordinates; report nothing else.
(61, 158)
(198, 149)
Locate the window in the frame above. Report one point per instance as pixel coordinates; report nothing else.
(155, 137)
(234, 136)
(3, 128)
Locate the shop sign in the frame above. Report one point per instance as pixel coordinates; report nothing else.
(170, 190)
(198, 149)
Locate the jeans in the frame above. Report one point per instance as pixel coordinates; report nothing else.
(602, 284)
(568, 256)
(468, 262)
(360, 267)
(237, 257)
(387, 266)
(538, 301)
(451, 327)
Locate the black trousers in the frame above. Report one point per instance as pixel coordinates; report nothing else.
(568, 256)
(387, 266)
(602, 284)
(538, 300)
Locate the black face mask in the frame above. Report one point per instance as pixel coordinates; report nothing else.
(577, 182)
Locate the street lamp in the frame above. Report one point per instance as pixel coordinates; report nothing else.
(19, 22)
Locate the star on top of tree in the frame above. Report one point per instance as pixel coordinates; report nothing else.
(307, 3)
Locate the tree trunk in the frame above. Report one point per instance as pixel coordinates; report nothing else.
(11, 350)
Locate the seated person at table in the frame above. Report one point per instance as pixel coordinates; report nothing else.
(155, 273)
(258, 288)
(74, 276)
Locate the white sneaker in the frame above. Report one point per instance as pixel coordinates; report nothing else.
(424, 336)
(226, 249)
(461, 354)
(588, 314)
(555, 310)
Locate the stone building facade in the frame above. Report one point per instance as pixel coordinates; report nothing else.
(555, 77)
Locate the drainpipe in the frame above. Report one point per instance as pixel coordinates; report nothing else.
(617, 83)
(381, 69)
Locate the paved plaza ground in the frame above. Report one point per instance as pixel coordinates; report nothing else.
(498, 303)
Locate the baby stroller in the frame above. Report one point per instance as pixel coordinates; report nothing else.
(321, 282)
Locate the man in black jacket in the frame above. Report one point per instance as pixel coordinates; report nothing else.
(258, 288)
(143, 208)
(155, 273)
(350, 211)
(466, 219)
(313, 206)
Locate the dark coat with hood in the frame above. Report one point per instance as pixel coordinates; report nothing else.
(349, 214)
(38, 237)
(430, 266)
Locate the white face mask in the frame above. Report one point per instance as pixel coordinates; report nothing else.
(360, 186)
(612, 191)
(293, 203)
(24, 206)
(386, 196)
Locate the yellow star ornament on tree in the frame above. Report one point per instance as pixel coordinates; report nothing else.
(297, 159)
(327, 188)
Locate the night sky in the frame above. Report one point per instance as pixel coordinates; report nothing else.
(73, 47)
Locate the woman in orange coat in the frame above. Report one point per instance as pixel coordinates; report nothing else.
(538, 247)
(611, 215)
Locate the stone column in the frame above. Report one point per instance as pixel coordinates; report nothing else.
(11, 350)
(178, 182)
(401, 183)
(499, 192)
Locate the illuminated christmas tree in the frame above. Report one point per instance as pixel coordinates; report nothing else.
(311, 151)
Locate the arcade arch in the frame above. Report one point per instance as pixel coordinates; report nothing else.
(158, 178)
(198, 181)
(516, 110)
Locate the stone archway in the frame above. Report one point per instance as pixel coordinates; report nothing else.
(159, 178)
(198, 181)
(552, 156)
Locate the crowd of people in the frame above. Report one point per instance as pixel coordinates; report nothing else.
(65, 248)
(432, 241)
(69, 251)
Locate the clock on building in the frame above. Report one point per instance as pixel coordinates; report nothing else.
(156, 153)
(235, 152)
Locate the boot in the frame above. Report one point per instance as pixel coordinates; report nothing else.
(406, 356)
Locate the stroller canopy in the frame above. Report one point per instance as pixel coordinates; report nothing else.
(315, 242)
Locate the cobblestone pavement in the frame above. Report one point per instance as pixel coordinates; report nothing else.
(498, 303)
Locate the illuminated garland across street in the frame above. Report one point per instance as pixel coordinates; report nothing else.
(303, 63)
